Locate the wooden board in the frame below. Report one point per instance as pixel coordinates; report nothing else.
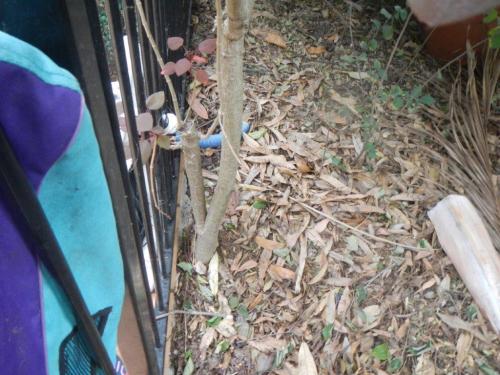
(466, 241)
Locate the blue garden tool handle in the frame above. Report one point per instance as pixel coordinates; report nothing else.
(215, 140)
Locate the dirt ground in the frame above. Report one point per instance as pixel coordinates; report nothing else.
(332, 104)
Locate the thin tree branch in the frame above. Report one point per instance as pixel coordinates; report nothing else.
(161, 63)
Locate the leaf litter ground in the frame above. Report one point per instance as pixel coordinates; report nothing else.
(291, 291)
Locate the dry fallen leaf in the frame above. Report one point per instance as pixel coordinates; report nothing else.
(280, 273)
(425, 366)
(349, 102)
(306, 361)
(268, 244)
(213, 274)
(336, 183)
(457, 323)
(270, 36)
(267, 344)
(319, 50)
(302, 262)
(463, 345)
(198, 108)
(206, 340)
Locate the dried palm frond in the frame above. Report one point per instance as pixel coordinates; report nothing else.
(466, 144)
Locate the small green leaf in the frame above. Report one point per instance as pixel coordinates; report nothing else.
(494, 37)
(189, 368)
(398, 103)
(229, 226)
(186, 267)
(385, 13)
(376, 24)
(259, 133)
(371, 150)
(233, 302)
(372, 44)
(491, 16)
(419, 350)
(214, 321)
(381, 352)
(394, 365)
(424, 244)
(486, 369)
(243, 311)
(361, 294)
(401, 13)
(387, 32)
(471, 312)
(222, 346)
(427, 100)
(188, 354)
(282, 253)
(416, 91)
(327, 332)
(259, 204)
(347, 58)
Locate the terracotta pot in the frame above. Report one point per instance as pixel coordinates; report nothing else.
(448, 41)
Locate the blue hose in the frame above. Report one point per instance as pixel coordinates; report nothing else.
(214, 141)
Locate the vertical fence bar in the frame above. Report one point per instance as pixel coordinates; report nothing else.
(148, 10)
(135, 59)
(116, 36)
(92, 71)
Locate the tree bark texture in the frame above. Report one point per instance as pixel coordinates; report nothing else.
(230, 80)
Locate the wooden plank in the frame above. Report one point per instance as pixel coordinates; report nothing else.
(466, 241)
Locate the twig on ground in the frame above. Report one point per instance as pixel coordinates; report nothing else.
(189, 312)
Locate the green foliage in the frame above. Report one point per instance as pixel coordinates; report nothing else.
(486, 369)
(381, 352)
(494, 33)
(494, 37)
(243, 311)
(233, 302)
(491, 16)
(186, 267)
(222, 346)
(327, 332)
(389, 21)
(394, 365)
(421, 349)
(336, 161)
(361, 294)
(471, 312)
(214, 321)
(371, 150)
(259, 204)
(189, 367)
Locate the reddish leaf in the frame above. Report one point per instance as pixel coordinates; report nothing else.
(201, 76)
(168, 69)
(208, 46)
(198, 59)
(175, 42)
(198, 108)
(182, 66)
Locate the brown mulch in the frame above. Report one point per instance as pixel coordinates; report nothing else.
(300, 293)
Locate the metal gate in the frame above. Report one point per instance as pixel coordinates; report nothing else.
(146, 235)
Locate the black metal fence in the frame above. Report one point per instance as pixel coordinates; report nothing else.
(142, 228)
